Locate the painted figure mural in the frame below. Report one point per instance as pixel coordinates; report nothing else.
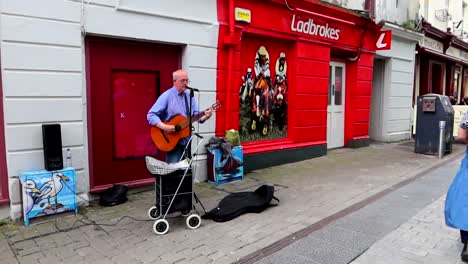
(263, 101)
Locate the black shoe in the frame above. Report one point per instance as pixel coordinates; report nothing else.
(464, 254)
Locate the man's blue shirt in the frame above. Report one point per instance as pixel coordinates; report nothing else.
(169, 104)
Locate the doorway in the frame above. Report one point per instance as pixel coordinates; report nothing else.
(376, 125)
(336, 105)
(124, 80)
(436, 77)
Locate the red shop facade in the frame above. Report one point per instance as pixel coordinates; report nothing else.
(295, 78)
(442, 61)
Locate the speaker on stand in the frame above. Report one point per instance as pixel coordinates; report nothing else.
(52, 142)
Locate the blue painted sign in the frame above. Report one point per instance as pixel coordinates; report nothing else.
(48, 192)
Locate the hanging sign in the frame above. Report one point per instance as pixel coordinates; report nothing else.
(314, 29)
(384, 41)
(242, 15)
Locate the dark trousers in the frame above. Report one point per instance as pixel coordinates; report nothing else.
(175, 155)
(463, 236)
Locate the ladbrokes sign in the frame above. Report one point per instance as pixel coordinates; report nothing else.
(311, 28)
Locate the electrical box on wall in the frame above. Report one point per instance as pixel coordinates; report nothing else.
(48, 192)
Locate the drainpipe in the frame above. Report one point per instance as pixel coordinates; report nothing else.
(369, 6)
(230, 58)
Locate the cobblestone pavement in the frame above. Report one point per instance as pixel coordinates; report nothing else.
(309, 191)
(423, 239)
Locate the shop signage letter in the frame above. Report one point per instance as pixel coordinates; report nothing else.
(384, 41)
(309, 27)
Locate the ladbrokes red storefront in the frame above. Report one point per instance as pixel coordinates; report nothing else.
(298, 76)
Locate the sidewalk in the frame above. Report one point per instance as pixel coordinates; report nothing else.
(423, 239)
(309, 191)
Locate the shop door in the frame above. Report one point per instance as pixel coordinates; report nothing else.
(125, 79)
(465, 85)
(335, 111)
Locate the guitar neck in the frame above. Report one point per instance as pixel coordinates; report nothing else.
(193, 119)
(197, 116)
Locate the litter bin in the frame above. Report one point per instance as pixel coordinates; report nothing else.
(433, 108)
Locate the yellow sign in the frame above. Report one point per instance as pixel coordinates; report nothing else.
(241, 14)
(458, 112)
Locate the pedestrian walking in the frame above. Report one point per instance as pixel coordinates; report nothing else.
(456, 203)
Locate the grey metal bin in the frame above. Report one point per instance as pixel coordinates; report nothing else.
(433, 108)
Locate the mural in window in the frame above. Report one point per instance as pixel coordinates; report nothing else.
(263, 98)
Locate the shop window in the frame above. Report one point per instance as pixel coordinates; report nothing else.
(264, 88)
(455, 94)
(464, 94)
(338, 86)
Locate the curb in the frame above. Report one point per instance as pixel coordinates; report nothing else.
(288, 240)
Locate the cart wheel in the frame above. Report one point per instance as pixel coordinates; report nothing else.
(161, 226)
(153, 213)
(185, 212)
(193, 221)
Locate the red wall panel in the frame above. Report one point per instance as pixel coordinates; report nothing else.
(311, 85)
(361, 129)
(233, 121)
(312, 51)
(221, 83)
(310, 134)
(361, 115)
(223, 56)
(311, 118)
(312, 68)
(366, 59)
(364, 74)
(358, 96)
(351, 84)
(364, 87)
(362, 101)
(309, 102)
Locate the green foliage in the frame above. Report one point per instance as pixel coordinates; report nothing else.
(408, 25)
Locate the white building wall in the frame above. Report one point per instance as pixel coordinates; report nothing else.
(435, 12)
(350, 4)
(43, 67)
(397, 90)
(394, 11)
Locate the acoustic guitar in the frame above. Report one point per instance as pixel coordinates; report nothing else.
(166, 141)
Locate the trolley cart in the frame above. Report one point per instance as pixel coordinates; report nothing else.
(174, 191)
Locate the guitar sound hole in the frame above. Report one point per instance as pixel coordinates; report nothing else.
(177, 128)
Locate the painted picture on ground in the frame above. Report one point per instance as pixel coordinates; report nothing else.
(263, 98)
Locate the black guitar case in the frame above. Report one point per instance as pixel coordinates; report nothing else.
(236, 204)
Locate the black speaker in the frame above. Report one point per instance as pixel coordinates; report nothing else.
(52, 142)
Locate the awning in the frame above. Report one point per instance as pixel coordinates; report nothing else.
(440, 55)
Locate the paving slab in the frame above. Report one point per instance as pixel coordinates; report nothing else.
(309, 191)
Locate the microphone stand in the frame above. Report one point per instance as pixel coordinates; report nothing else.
(189, 146)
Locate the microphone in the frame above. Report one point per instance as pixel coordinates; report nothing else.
(193, 89)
